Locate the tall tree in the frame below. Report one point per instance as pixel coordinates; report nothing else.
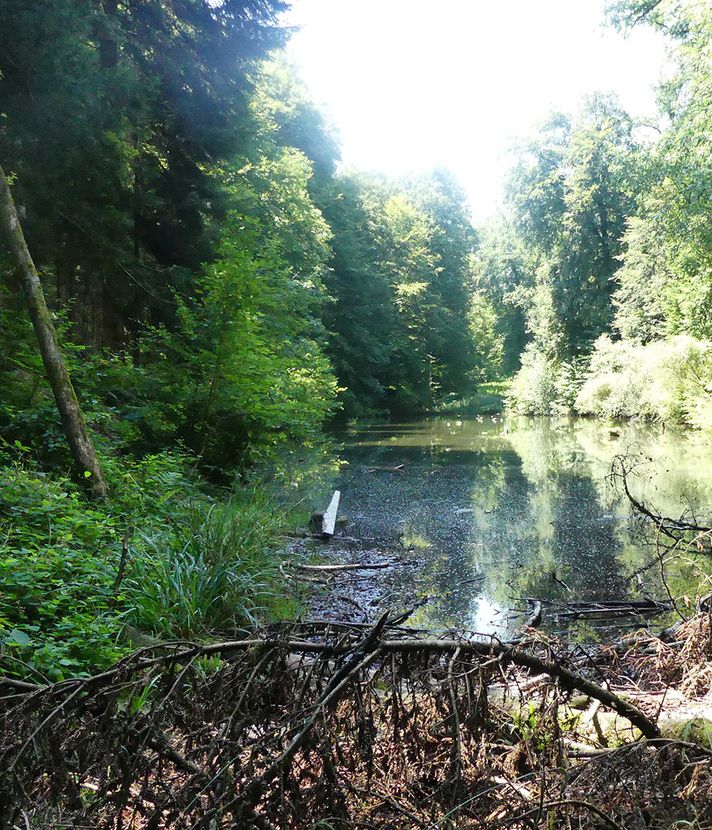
(142, 98)
(571, 193)
(669, 245)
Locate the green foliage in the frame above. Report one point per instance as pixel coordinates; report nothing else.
(488, 343)
(616, 236)
(502, 274)
(668, 381)
(489, 399)
(570, 195)
(545, 385)
(669, 251)
(402, 329)
(645, 285)
(137, 97)
(192, 564)
(210, 571)
(60, 557)
(360, 316)
(243, 371)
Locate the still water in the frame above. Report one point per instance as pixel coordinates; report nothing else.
(492, 510)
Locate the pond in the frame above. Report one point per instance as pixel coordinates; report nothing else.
(496, 509)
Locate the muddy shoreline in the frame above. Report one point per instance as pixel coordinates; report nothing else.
(357, 596)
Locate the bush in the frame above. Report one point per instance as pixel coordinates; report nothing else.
(667, 380)
(544, 385)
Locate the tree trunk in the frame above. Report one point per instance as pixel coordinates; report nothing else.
(75, 430)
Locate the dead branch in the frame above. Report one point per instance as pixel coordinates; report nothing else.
(306, 722)
(568, 680)
(351, 567)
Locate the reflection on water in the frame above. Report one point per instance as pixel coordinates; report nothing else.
(500, 509)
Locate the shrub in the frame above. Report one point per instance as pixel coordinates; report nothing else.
(666, 380)
(544, 385)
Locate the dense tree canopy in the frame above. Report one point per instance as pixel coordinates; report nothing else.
(608, 231)
(570, 195)
(225, 283)
(216, 280)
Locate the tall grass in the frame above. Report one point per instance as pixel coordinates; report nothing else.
(211, 570)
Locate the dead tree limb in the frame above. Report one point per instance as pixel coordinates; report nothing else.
(672, 528)
(506, 653)
(75, 429)
(351, 567)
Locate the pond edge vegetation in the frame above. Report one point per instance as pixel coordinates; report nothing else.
(218, 291)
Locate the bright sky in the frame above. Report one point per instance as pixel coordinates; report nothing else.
(415, 84)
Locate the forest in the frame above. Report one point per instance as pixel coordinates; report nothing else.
(225, 296)
(220, 292)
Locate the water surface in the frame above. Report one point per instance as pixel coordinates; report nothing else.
(496, 509)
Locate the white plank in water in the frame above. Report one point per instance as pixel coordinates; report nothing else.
(328, 523)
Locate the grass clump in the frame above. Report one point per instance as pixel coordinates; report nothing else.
(211, 570)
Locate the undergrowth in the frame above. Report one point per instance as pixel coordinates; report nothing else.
(166, 556)
(667, 381)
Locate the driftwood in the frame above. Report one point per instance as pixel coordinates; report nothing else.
(328, 525)
(383, 728)
(534, 619)
(378, 720)
(602, 609)
(399, 468)
(350, 567)
(325, 524)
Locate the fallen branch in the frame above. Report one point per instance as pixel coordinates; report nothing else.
(353, 567)
(399, 468)
(672, 528)
(568, 680)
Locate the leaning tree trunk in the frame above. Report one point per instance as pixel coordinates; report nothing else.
(75, 429)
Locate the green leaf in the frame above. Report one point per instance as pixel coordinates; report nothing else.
(17, 637)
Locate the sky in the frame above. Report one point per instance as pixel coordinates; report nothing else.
(415, 84)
